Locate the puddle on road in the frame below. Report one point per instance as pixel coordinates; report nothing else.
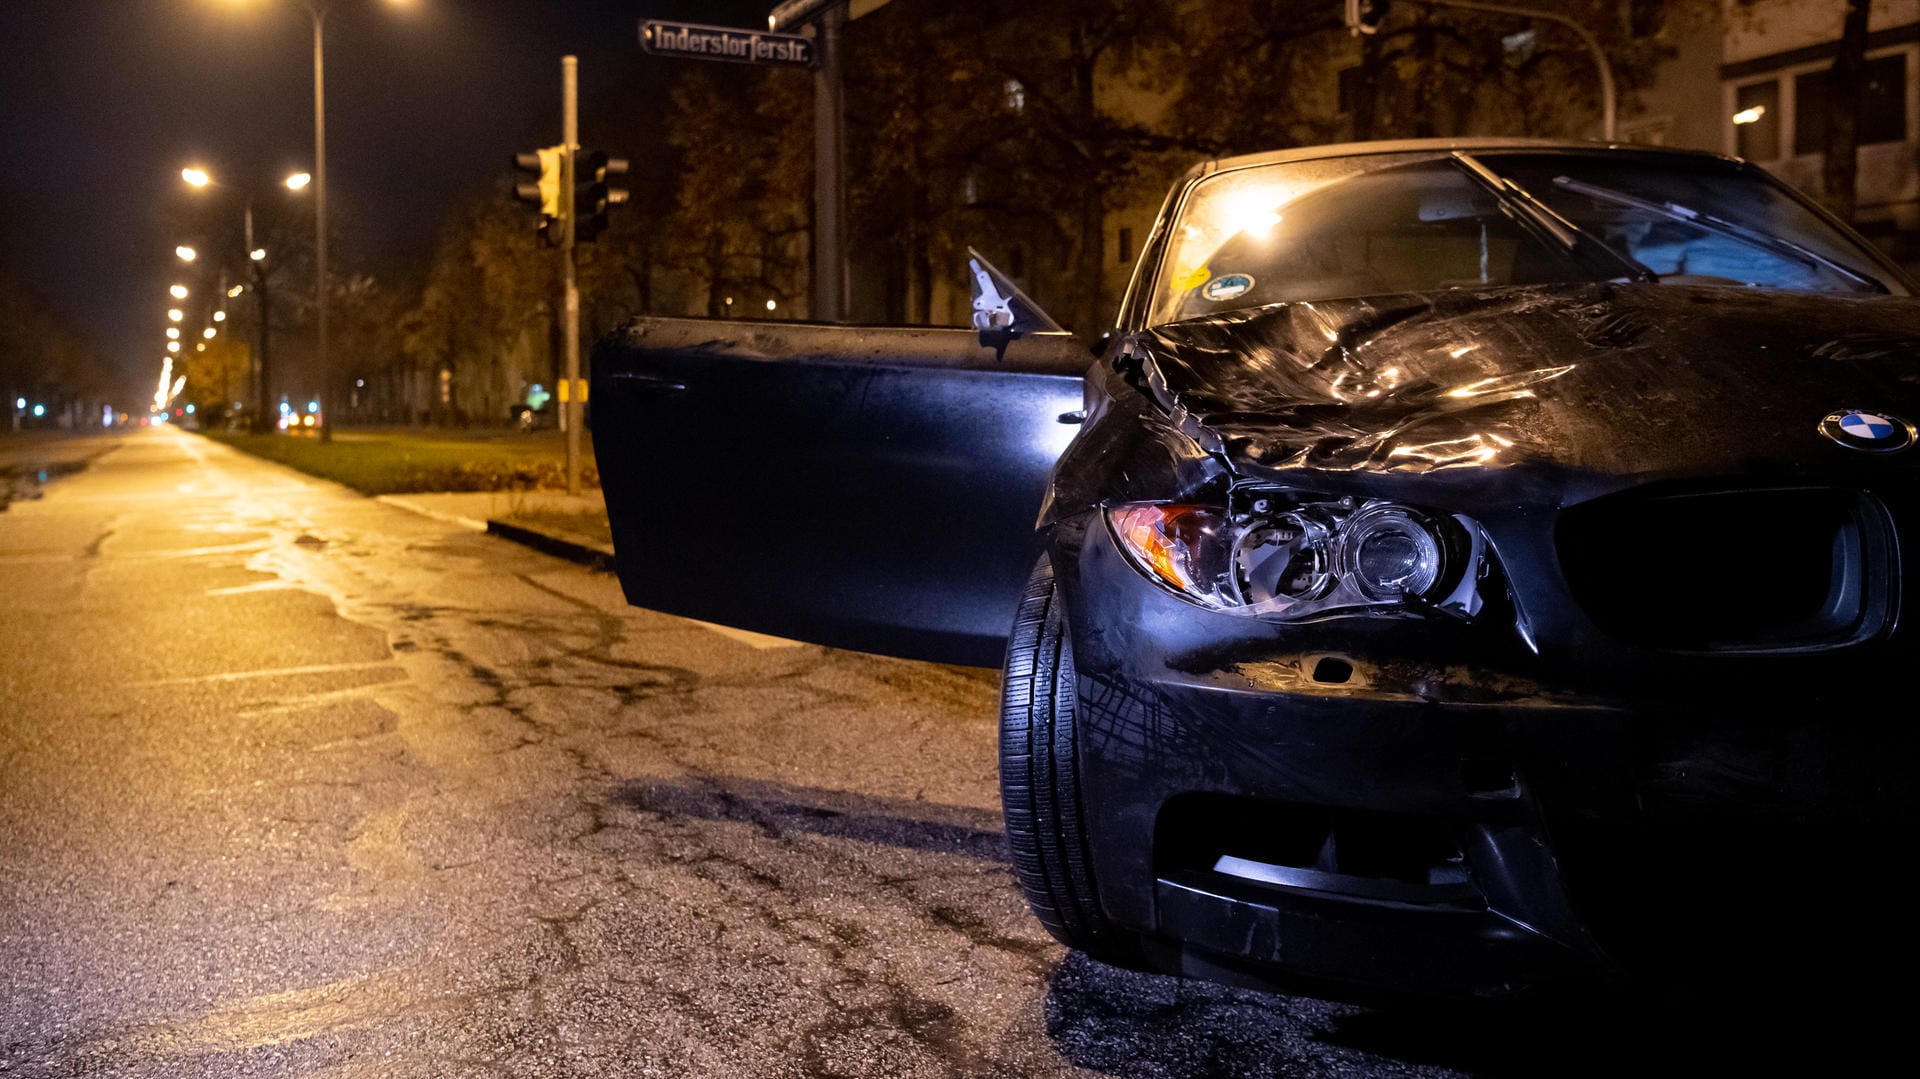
(23, 483)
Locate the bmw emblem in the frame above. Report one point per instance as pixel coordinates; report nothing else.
(1870, 432)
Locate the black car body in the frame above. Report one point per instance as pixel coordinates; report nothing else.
(1467, 566)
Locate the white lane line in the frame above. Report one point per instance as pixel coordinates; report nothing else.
(271, 672)
(261, 586)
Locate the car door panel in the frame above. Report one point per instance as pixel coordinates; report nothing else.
(871, 488)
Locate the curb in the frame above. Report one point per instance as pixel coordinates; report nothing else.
(405, 503)
(575, 549)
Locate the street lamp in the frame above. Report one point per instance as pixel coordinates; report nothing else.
(173, 333)
(187, 254)
(174, 314)
(318, 9)
(201, 178)
(178, 292)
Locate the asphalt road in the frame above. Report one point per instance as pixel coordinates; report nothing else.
(293, 782)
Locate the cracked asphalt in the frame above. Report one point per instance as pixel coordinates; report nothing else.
(293, 782)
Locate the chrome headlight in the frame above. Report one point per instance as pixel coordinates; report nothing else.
(1289, 557)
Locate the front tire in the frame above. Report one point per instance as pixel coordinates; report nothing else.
(1040, 778)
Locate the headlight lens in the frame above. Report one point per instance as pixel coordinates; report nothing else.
(1390, 554)
(1290, 558)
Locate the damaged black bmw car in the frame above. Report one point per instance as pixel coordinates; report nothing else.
(1465, 567)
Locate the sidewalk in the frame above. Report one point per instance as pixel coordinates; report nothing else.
(573, 527)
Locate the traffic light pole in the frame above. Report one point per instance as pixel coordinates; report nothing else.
(829, 164)
(570, 411)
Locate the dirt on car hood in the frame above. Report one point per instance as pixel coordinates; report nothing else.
(1624, 379)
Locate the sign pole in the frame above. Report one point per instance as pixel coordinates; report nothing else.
(570, 414)
(829, 164)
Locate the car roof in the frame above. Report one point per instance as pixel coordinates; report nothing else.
(1401, 146)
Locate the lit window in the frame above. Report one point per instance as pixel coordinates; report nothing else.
(1757, 120)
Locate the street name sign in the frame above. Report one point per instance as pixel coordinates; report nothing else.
(697, 42)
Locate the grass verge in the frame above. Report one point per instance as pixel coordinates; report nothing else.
(412, 462)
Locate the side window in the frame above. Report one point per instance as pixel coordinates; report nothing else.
(1883, 106)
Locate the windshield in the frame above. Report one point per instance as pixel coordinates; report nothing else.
(1389, 223)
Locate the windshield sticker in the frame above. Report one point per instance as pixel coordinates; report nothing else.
(1191, 279)
(1227, 286)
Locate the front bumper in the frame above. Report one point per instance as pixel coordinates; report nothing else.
(1480, 833)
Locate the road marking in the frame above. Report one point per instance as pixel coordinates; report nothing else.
(270, 672)
(261, 586)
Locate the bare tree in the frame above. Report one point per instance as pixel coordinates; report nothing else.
(1846, 90)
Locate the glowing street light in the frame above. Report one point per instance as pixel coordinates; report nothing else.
(259, 254)
(178, 292)
(298, 181)
(196, 177)
(318, 9)
(1750, 116)
(235, 291)
(187, 254)
(174, 314)
(173, 333)
(173, 346)
(208, 333)
(219, 316)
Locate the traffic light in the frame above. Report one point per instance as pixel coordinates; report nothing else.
(544, 191)
(592, 194)
(1365, 16)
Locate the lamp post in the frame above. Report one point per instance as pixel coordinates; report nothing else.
(1609, 96)
(318, 10)
(257, 258)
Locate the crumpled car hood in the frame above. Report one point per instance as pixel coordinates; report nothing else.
(1627, 379)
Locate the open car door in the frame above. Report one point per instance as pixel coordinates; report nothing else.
(871, 488)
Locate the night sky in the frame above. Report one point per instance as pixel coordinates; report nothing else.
(102, 102)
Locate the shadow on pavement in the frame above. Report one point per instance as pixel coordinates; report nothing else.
(781, 809)
(1132, 1024)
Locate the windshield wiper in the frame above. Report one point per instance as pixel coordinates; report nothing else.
(1538, 217)
(1673, 211)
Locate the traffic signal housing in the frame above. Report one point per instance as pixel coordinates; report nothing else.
(543, 190)
(593, 193)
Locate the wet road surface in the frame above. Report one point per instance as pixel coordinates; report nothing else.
(293, 782)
